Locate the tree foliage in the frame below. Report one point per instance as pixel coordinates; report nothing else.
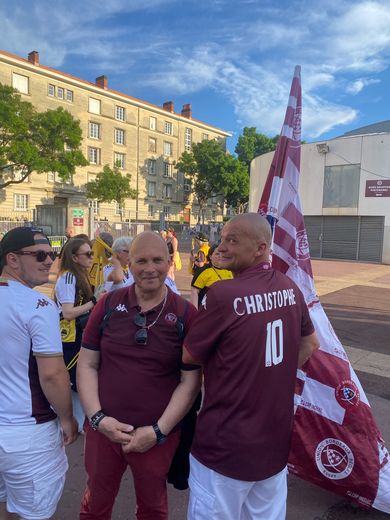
(214, 172)
(251, 144)
(110, 185)
(32, 141)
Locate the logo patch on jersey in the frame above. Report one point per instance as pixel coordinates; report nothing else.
(171, 318)
(334, 459)
(348, 395)
(121, 307)
(204, 302)
(42, 303)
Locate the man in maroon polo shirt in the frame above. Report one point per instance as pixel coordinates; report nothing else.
(258, 333)
(133, 386)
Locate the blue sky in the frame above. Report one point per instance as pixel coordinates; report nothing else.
(233, 60)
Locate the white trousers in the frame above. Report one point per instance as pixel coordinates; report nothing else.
(33, 464)
(216, 497)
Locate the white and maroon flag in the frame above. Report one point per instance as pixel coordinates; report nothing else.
(336, 443)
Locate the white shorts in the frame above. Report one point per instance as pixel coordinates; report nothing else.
(33, 465)
(216, 497)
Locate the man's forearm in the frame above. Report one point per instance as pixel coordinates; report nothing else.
(56, 388)
(181, 401)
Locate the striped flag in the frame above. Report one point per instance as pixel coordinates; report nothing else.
(336, 443)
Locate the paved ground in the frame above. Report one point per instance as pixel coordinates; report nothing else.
(356, 298)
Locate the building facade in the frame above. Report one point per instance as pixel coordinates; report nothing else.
(145, 140)
(345, 194)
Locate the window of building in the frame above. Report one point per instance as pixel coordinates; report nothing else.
(205, 137)
(20, 83)
(167, 169)
(167, 191)
(341, 186)
(51, 90)
(151, 189)
(69, 95)
(94, 155)
(168, 128)
(168, 148)
(152, 123)
(150, 210)
(152, 147)
(152, 167)
(119, 160)
(94, 105)
(94, 130)
(120, 113)
(188, 140)
(119, 136)
(60, 93)
(118, 209)
(20, 202)
(95, 206)
(167, 211)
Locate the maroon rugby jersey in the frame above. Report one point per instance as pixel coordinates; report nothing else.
(247, 334)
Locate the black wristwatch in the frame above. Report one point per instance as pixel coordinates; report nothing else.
(96, 418)
(161, 438)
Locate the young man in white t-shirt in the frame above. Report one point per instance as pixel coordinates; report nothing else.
(36, 418)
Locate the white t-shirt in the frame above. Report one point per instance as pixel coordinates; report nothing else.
(127, 277)
(29, 327)
(65, 289)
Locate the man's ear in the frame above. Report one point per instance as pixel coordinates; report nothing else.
(261, 249)
(12, 260)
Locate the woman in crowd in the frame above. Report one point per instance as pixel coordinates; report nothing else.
(117, 270)
(74, 297)
(207, 275)
(173, 245)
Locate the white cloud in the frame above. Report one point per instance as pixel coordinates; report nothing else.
(358, 85)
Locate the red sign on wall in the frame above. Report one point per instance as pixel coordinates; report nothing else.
(379, 188)
(78, 221)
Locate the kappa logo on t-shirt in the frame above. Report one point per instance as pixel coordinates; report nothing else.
(42, 303)
(171, 318)
(121, 307)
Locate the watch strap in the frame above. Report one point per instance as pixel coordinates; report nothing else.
(161, 438)
(96, 419)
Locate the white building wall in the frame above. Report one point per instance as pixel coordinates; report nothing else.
(371, 151)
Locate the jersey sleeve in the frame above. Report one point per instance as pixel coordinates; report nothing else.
(107, 269)
(206, 328)
(92, 334)
(66, 289)
(44, 328)
(198, 280)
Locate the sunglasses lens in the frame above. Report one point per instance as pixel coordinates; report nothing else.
(141, 337)
(140, 320)
(42, 255)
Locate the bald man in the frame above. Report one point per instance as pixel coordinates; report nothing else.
(133, 387)
(258, 333)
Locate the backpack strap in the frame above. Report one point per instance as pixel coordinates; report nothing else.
(180, 324)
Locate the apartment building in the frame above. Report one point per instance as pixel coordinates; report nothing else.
(144, 139)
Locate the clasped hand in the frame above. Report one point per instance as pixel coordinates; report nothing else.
(141, 440)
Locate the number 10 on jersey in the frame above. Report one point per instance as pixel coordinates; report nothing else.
(274, 345)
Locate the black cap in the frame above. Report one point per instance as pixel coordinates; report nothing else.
(202, 237)
(20, 237)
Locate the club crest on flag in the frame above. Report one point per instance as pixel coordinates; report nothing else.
(334, 459)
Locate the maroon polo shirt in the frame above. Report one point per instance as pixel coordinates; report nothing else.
(247, 334)
(136, 382)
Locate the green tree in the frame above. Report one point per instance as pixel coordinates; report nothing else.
(110, 185)
(251, 144)
(32, 141)
(213, 172)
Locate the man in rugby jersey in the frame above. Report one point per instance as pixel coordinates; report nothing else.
(36, 419)
(258, 333)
